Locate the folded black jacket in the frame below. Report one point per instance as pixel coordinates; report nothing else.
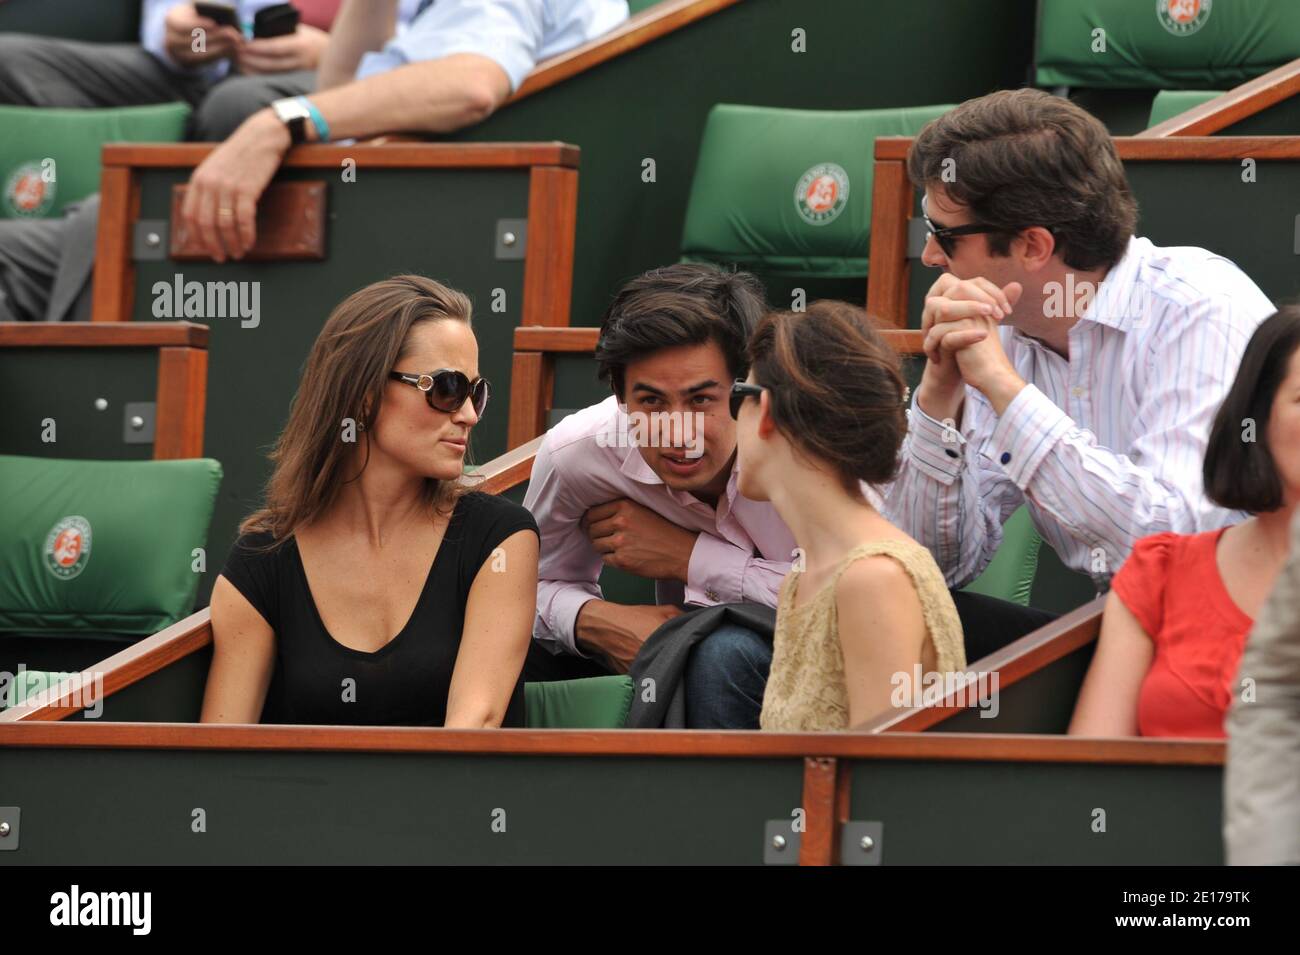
(663, 657)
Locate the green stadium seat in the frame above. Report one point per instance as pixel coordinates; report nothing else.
(95, 554)
(1187, 44)
(599, 702)
(35, 187)
(1170, 103)
(788, 191)
(1010, 575)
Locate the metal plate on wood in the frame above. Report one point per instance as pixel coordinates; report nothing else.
(862, 843)
(290, 225)
(9, 828)
(780, 842)
(917, 233)
(149, 240)
(138, 419)
(512, 238)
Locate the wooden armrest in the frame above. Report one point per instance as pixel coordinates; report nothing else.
(1233, 106)
(104, 335)
(118, 671)
(509, 470)
(1012, 663)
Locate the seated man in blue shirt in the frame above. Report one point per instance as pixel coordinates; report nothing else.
(449, 67)
(456, 64)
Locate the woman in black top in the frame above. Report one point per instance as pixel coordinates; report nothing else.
(373, 587)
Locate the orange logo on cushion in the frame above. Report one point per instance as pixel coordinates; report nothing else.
(822, 193)
(67, 547)
(28, 192)
(1183, 17)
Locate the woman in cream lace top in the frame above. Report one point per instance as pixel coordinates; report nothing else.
(822, 412)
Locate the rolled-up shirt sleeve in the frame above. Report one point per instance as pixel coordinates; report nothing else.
(508, 32)
(568, 568)
(722, 572)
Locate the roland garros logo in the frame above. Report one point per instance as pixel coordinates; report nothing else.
(1183, 17)
(822, 193)
(28, 192)
(67, 547)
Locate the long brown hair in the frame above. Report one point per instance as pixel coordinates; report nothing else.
(365, 338)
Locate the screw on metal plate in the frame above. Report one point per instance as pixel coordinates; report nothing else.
(511, 238)
(149, 240)
(862, 843)
(780, 842)
(138, 419)
(9, 828)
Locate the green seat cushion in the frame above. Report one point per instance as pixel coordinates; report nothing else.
(788, 191)
(50, 157)
(1169, 103)
(598, 702)
(1158, 44)
(1010, 575)
(102, 546)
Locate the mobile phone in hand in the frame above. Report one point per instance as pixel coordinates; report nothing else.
(223, 14)
(279, 20)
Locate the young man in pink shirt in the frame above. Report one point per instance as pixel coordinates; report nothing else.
(645, 482)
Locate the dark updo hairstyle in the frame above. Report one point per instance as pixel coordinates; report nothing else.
(836, 388)
(1241, 475)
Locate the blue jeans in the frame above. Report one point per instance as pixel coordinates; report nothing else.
(725, 677)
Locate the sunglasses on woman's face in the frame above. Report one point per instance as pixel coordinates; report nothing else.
(446, 389)
(740, 390)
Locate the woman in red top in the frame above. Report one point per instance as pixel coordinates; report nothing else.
(1181, 607)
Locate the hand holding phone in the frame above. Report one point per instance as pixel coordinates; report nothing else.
(218, 36)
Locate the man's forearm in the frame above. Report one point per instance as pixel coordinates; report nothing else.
(361, 26)
(940, 406)
(436, 96)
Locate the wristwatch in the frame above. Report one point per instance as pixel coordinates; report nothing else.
(294, 115)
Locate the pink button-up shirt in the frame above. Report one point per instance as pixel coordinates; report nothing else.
(742, 553)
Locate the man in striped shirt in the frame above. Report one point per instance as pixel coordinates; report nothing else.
(1071, 366)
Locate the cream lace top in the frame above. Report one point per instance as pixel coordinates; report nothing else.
(806, 689)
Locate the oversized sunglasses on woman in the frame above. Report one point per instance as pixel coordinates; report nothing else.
(446, 389)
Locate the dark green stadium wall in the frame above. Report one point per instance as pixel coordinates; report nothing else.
(100, 21)
(651, 103)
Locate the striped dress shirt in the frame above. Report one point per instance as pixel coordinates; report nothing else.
(1103, 448)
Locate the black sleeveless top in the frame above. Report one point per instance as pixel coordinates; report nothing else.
(406, 681)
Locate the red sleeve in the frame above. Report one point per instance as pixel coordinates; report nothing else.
(1140, 583)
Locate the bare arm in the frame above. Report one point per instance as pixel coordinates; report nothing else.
(1108, 701)
(243, 659)
(494, 642)
(882, 632)
(431, 96)
(615, 632)
(360, 27)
